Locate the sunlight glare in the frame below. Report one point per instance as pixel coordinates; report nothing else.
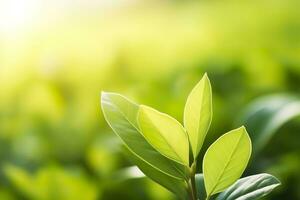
(17, 15)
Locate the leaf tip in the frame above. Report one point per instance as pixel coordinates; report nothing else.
(245, 132)
(205, 77)
(277, 180)
(243, 128)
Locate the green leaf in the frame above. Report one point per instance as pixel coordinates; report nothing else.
(198, 114)
(249, 188)
(201, 194)
(121, 114)
(165, 134)
(225, 160)
(266, 115)
(178, 187)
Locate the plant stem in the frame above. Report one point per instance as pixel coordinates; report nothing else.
(192, 182)
(208, 197)
(194, 167)
(191, 191)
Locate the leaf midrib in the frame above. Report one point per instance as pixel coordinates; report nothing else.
(169, 145)
(198, 127)
(137, 129)
(272, 186)
(141, 135)
(231, 154)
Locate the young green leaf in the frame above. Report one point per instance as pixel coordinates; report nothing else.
(165, 134)
(225, 160)
(121, 115)
(198, 114)
(249, 188)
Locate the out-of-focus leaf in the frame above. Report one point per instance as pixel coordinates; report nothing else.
(121, 115)
(7, 194)
(249, 188)
(266, 115)
(20, 179)
(52, 183)
(176, 186)
(225, 160)
(198, 114)
(201, 194)
(165, 134)
(105, 147)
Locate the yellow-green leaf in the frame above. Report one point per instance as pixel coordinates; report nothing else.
(165, 134)
(225, 160)
(121, 114)
(198, 114)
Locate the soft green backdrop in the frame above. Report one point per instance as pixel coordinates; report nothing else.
(56, 57)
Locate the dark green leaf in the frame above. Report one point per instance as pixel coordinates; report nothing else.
(249, 188)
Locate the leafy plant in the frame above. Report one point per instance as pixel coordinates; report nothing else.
(167, 152)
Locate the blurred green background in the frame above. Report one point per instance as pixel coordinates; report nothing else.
(57, 56)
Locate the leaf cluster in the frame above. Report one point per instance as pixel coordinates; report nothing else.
(167, 151)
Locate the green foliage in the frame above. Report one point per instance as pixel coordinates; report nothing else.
(121, 114)
(273, 121)
(266, 115)
(52, 183)
(198, 114)
(174, 185)
(164, 133)
(250, 187)
(153, 137)
(225, 160)
(52, 71)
